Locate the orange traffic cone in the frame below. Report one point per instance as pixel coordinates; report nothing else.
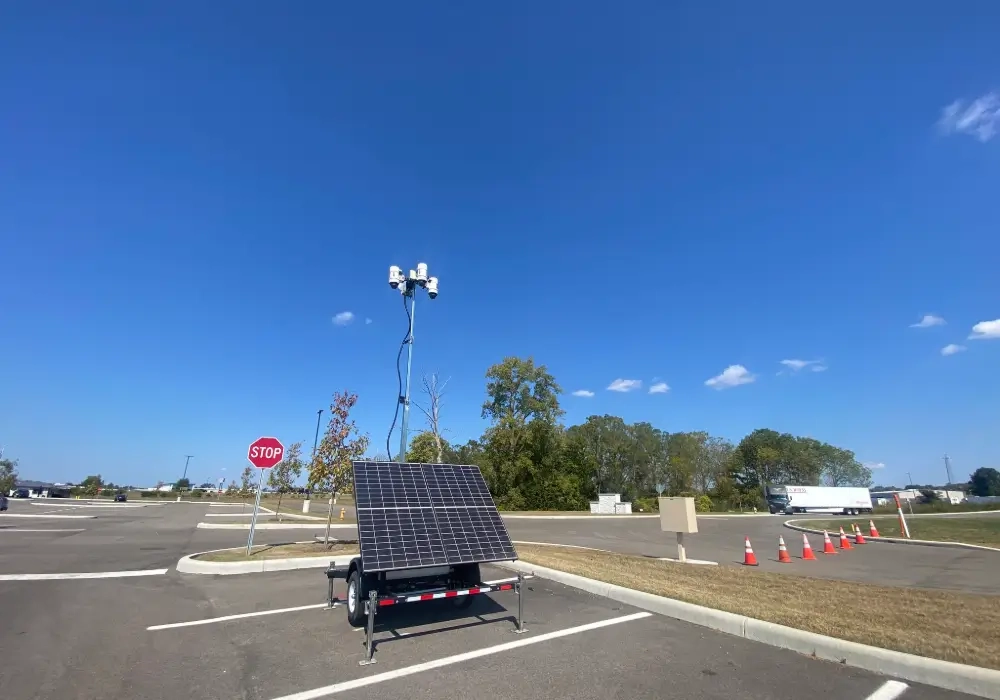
(828, 544)
(844, 542)
(749, 559)
(872, 530)
(858, 537)
(807, 550)
(783, 556)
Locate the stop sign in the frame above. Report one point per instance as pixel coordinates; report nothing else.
(265, 452)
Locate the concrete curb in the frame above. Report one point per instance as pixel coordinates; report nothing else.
(273, 526)
(896, 540)
(982, 682)
(190, 565)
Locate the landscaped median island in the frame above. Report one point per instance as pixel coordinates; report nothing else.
(279, 551)
(981, 530)
(902, 619)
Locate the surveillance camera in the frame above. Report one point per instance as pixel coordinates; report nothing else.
(432, 287)
(395, 276)
(412, 277)
(422, 274)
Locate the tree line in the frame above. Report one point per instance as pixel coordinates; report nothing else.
(532, 461)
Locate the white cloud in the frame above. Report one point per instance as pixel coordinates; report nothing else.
(583, 392)
(343, 318)
(985, 330)
(731, 376)
(952, 349)
(368, 321)
(659, 388)
(874, 465)
(979, 118)
(927, 321)
(624, 385)
(797, 365)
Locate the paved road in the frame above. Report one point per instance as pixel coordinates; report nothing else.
(89, 640)
(721, 539)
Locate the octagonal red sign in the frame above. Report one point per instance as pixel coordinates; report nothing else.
(265, 452)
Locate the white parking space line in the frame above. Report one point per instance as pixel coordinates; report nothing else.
(458, 658)
(44, 515)
(89, 574)
(890, 690)
(227, 618)
(51, 529)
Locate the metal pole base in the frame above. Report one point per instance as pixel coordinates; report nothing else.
(369, 642)
(519, 587)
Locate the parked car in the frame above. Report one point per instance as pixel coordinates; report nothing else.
(121, 497)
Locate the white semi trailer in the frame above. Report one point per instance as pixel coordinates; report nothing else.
(845, 500)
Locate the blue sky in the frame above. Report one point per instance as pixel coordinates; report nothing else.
(647, 191)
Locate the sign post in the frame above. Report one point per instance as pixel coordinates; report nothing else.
(263, 453)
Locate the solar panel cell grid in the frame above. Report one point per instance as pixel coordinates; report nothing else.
(413, 515)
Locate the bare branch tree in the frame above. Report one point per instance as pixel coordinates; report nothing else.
(434, 389)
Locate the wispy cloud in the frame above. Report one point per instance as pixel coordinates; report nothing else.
(584, 393)
(624, 385)
(659, 388)
(731, 376)
(979, 118)
(927, 321)
(985, 330)
(952, 349)
(368, 321)
(343, 318)
(874, 465)
(795, 366)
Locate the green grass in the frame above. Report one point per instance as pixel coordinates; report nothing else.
(982, 530)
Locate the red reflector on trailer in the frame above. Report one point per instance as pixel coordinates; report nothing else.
(427, 596)
(473, 591)
(451, 594)
(506, 586)
(385, 601)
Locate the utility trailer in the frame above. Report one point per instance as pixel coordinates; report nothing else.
(423, 531)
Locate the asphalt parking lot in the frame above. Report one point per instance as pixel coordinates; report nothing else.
(161, 635)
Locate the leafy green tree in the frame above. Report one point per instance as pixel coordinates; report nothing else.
(182, 484)
(330, 469)
(8, 475)
(232, 490)
(428, 448)
(985, 481)
(91, 486)
(284, 474)
(246, 482)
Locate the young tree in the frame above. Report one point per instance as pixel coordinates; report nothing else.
(91, 486)
(246, 482)
(434, 390)
(427, 448)
(8, 475)
(284, 474)
(330, 469)
(231, 490)
(182, 484)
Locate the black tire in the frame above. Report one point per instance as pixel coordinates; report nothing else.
(466, 576)
(356, 595)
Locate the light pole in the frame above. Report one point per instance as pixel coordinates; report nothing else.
(187, 461)
(407, 286)
(316, 439)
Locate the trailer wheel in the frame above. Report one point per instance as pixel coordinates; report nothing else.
(465, 576)
(356, 597)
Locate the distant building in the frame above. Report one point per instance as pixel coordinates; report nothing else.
(39, 489)
(884, 498)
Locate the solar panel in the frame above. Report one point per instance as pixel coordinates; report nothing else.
(415, 515)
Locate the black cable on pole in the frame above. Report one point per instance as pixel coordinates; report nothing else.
(399, 376)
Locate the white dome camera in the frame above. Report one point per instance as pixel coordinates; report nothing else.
(395, 276)
(432, 287)
(422, 274)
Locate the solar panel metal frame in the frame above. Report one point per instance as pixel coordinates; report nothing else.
(414, 515)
